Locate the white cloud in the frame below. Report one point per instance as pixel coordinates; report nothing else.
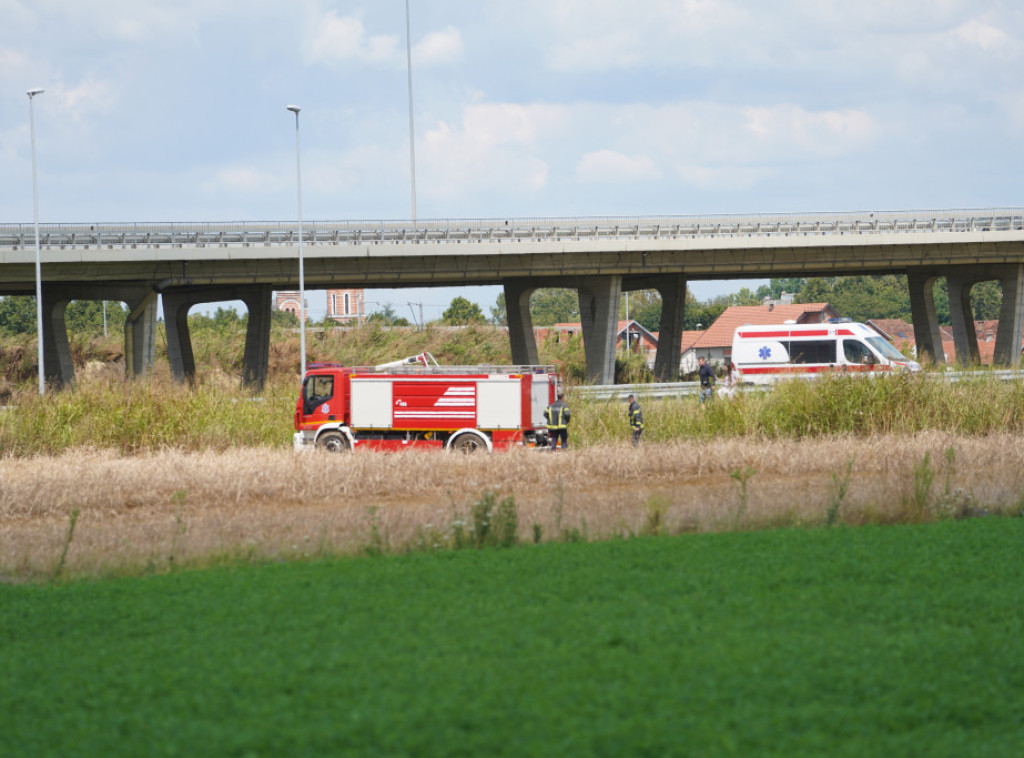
(602, 35)
(495, 146)
(612, 166)
(713, 177)
(789, 127)
(687, 143)
(981, 34)
(242, 179)
(12, 59)
(345, 38)
(440, 47)
(543, 104)
(83, 100)
(511, 123)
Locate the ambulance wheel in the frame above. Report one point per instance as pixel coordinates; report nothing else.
(333, 442)
(468, 443)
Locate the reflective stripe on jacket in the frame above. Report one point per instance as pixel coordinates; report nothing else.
(636, 416)
(557, 415)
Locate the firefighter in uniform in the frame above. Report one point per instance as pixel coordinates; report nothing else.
(636, 420)
(557, 417)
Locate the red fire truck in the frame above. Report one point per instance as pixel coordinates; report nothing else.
(415, 403)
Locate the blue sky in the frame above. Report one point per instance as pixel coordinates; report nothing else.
(161, 111)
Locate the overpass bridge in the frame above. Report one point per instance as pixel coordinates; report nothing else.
(189, 263)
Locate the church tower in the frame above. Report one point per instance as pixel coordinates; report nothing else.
(347, 307)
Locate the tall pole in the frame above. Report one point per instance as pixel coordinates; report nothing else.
(412, 137)
(39, 269)
(627, 323)
(302, 274)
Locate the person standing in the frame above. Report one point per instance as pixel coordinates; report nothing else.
(557, 417)
(707, 379)
(731, 380)
(636, 420)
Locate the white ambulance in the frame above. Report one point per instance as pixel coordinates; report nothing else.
(766, 354)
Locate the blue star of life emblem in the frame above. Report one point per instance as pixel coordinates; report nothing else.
(764, 353)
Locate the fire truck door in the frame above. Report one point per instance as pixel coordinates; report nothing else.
(543, 394)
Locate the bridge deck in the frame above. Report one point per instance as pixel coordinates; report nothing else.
(221, 234)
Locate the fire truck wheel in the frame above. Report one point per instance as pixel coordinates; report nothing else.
(468, 443)
(333, 442)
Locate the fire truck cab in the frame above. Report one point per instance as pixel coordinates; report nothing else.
(415, 403)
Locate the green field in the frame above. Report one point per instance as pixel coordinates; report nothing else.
(869, 641)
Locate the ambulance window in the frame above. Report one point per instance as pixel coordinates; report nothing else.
(856, 351)
(882, 345)
(812, 351)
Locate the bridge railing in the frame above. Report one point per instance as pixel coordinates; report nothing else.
(455, 231)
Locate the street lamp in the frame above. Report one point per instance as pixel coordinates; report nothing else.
(302, 275)
(412, 131)
(39, 269)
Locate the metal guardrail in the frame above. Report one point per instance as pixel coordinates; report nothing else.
(641, 391)
(685, 389)
(455, 231)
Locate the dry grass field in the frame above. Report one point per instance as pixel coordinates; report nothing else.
(100, 512)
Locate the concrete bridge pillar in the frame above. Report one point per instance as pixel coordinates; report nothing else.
(926, 324)
(255, 362)
(140, 333)
(57, 364)
(599, 317)
(965, 337)
(667, 360)
(672, 288)
(179, 340)
(520, 322)
(258, 301)
(1011, 317)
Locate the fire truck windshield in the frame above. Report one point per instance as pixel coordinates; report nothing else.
(316, 389)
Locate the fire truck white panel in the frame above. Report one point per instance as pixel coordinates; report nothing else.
(542, 396)
(499, 405)
(371, 403)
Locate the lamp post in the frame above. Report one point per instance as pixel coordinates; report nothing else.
(412, 132)
(302, 276)
(39, 269)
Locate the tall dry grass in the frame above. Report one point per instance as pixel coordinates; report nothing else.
(217, 413)
(157, 511)
(897, 404)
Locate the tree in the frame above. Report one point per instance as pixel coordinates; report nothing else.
(462, 312)
(17, 315)
(554, 306)
(816, 291)
(224, 320)
(499, 312)
(283, 319)
(776, 287)
(861, 298)
(986, 300)
(644, 308)
(548, 305)
(702, 314)
(86, 316)
(744, 297)
(387, 317)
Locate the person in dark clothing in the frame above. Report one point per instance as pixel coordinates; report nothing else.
(636, 420)
(707, 379)
(557, 417)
